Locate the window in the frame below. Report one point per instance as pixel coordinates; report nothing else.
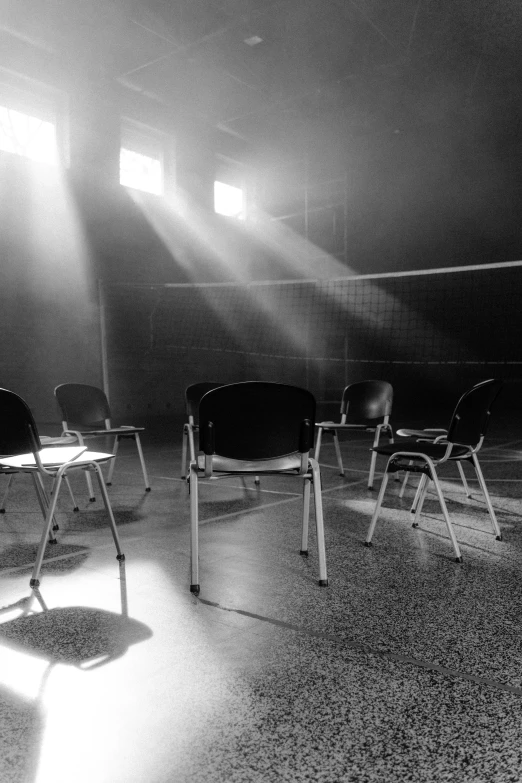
(141, 158)
(31, 137)
(140, 171)
(229, 200)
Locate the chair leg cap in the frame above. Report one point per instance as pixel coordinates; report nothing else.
(34, 583)
(323, 582)
(2, 510)
(56, 527)
(147, 489)
(108, 483)
(121, 558)
(194, 589)
(458, 560)
(92, 500)
(498, 538)
(368, 543)
(76, 508)
(53, 541)
(303, 552)
(415, 524)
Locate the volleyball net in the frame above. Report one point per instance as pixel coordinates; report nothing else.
(433, 330)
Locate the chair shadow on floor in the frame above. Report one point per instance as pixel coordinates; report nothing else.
(94, 519)
(81, 636)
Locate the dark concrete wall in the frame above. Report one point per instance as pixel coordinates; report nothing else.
(435, 194)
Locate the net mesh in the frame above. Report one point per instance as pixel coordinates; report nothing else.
(454, 325)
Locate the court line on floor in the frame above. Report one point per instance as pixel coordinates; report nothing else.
(368, 650)
(251, 510)
(295, 495)
(14, 569)
(268, 505)
(46, 561)
(233, 486)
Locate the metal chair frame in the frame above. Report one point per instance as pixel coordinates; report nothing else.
(364, 403)
(84, 408)
(463, 441)
(431, 436)
(272, 434)
(19, 437)
(193, 395)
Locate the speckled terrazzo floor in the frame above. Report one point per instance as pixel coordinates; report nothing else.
(408, 667)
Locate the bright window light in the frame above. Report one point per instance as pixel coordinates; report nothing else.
(141, 171)
(228, 200)
(28, 136)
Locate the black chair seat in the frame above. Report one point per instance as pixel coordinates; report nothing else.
(435, 451)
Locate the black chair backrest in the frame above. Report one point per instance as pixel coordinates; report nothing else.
(471, 416)
(367, 400)
(18, 431)
(194, 393)
(256, 420)
(82, 404)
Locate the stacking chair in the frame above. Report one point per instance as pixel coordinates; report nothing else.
(462, 443)
(86, 414)
(431, 435)
(193, 395)
(366, 406)
(19, 438)
(45, 440)
(257, 428)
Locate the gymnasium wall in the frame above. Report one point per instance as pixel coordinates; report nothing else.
(412, 200)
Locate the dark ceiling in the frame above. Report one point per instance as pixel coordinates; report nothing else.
(323, 68)
(390, 127)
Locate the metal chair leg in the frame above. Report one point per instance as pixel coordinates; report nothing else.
(338, 453)
(113, 462)
(68, 485)
(485, 492)
(6, 493)
(377, 509)
(418, 491)
(112, 522)
(142, 460)
(404, 483)
(34, 581)
(184, 452)
(449, 526)
(463, 479)
(420, 496)
(306, 516)
(318, 442)
(194, 521)
(43, 502)
(90, 489)
(319, 523)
